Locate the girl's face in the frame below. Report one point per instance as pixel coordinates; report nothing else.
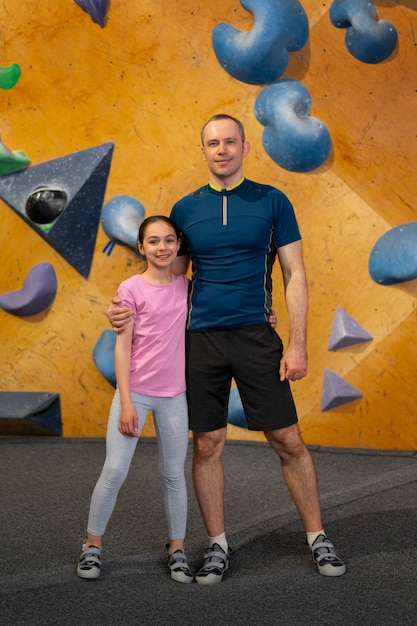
(160, 244)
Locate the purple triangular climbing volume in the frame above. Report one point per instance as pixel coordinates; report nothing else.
(82, 176)
(336, 391)
(346, 331)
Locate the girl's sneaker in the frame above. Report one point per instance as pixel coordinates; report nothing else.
(178, 567)
(89, 563)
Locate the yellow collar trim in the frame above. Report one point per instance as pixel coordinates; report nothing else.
(227, 188)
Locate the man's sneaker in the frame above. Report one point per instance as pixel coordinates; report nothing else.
(89, 563)
(216, 562)
(326, 559)
(178, 567)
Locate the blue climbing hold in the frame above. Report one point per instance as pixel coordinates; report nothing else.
(120, 219)
(37, 294)
(292, 138)
(261, 55)
(236, 414)
(103, 355)
(367, 38)
(30, 413)
(81, 177)
(393, 258)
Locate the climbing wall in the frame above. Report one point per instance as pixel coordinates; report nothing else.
(143, 83)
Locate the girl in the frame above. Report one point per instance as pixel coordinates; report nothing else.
(150, 371)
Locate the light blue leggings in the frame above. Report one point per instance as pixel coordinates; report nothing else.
(171, 425)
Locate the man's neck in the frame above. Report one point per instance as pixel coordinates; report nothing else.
(225, 183)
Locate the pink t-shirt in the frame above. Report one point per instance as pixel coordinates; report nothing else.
(158, 344)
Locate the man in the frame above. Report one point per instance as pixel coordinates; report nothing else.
(233, 229)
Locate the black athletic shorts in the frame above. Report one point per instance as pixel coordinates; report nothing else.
(250, 355)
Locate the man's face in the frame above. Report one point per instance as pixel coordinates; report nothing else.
(223, 151)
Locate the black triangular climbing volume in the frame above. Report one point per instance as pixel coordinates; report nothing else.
(83, 177)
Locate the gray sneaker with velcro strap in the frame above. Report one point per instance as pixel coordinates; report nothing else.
(90, 563)
(325, 557)
(178, 567)
(216, 562)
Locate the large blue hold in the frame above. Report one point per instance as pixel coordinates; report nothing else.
(393, 258)
(236, 414)
(293, 139)
(260, 56)
(120, 219)
(103, 355)
(367, 39)
(83, 177)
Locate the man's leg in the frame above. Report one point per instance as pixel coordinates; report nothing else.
(208, 480)
(300, 476)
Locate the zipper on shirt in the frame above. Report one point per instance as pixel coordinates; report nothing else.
(224, 208)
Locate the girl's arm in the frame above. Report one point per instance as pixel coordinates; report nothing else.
(128, 421)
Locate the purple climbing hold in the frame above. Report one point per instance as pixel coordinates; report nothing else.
(37, 294)
(97, 9)
(336, 391)
(346, 331)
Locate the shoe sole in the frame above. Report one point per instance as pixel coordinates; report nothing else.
(331, 570)
(210, 579)
(90, 574)
(180, 577)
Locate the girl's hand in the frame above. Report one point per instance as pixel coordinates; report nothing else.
(128, 420)
(272, 319)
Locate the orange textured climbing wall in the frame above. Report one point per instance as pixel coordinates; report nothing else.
(147, 82)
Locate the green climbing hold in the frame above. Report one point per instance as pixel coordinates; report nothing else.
(11, 162)
(9, 76)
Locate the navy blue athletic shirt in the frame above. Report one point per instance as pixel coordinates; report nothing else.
(231, 236)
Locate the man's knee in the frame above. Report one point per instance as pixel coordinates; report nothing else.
(286, 441)
(208, 445)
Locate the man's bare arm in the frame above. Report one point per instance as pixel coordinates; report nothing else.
(118, 316)
(180, 265)
(295, 360)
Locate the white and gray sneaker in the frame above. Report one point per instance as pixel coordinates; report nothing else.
(326, 559)
(216, 562)
(178, 567)
(90, 563)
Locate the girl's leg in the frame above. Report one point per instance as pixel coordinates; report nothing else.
(119, 452)
(171, 425)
